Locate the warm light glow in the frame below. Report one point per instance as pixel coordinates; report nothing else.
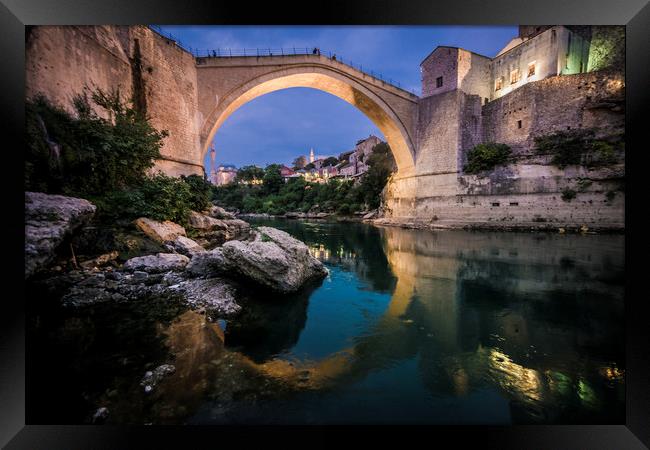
(513, 377)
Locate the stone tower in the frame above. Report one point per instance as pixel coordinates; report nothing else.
(311, 155)
(213, 167)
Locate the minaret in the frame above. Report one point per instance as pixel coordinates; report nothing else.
(311, 155)
(213, 172)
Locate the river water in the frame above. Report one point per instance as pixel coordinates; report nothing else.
(410, 326)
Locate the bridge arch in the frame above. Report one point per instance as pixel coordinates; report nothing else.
(323, 78)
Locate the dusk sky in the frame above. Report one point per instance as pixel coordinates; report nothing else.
(282, 125)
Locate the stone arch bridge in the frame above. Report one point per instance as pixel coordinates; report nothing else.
(226, 83)
(191, 96)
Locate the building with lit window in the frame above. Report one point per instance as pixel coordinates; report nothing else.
(538, 52)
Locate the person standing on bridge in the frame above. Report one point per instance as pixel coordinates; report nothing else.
(334, 57)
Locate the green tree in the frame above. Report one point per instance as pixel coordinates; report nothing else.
(249, 173)
(299, 162)
(200, 192)
(381, 165)
(88, 155)
(330, 161)
(272, 180)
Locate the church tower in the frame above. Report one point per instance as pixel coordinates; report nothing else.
(311, 155)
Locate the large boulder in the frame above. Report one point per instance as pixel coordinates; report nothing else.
(160, 231)
(202, 222)
(49, 219)
(211, 232)
(185, 246)
(209, 263)
(215, 295)
(161, 262)
(273, 259)
(219, 213)
(237, 229)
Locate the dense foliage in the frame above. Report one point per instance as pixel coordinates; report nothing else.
(158, 197)
(275, 196)
(486, 157)
(580, 147)
(299, 162)
(88, 154)
(106, 160)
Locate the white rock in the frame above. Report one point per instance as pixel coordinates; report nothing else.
(273, 259)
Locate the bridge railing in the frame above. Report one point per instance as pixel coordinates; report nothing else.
(256, 52)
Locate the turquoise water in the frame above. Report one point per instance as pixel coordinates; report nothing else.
(410, 326)
(457, 327)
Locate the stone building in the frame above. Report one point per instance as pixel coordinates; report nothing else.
(354, 162)
(538, 52)
(224, 174)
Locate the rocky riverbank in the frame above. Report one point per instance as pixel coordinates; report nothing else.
(555, 227)
(204, 265)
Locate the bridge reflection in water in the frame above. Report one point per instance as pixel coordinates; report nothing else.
(533, 321)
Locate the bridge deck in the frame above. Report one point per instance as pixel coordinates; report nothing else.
(275, 59)
(271, 55)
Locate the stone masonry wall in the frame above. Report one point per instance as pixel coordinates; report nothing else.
(560, 103)
(442, 62)
(528, 192)
(61, 60)
(474, 74)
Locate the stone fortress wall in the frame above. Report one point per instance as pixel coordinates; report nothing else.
(60, 61)
(526, 193)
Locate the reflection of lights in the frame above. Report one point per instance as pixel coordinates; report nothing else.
(587, 394)
(513, 377)
(461, 381)
(612, 373)
(558, 382)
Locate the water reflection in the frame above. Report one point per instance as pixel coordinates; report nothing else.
(539, 318)
(410, 326)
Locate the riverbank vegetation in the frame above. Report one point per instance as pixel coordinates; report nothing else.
(276, 197)
(581, 147)
(486, 157)
(104, 152)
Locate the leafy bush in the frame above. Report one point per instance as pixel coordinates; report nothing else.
(486, 157)
(568, 194)
(87, 154)
(200, 192)
(158, 197)
(344, 209)
(579, 147)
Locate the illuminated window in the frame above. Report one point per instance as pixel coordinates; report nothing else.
(531, 69)
(498, 83)
(439, 82)
(514, 76)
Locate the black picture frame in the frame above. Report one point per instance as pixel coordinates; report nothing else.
(16, 15)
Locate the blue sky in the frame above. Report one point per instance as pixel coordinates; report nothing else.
(281, 125)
